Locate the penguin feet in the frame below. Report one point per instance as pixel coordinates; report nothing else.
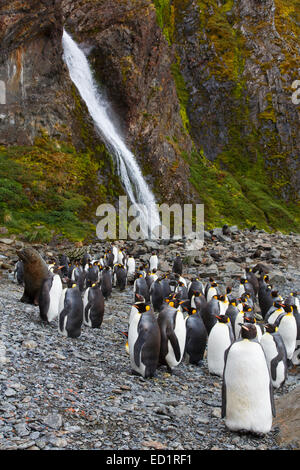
(134, 372)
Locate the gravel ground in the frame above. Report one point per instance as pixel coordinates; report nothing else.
(62, 393)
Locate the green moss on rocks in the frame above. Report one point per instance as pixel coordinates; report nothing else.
(244, 201)
(50, 188)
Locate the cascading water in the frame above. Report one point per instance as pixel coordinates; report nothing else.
(129, 171)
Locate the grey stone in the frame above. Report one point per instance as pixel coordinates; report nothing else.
(54, 421)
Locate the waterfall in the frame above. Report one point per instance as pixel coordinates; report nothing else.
(130, 174)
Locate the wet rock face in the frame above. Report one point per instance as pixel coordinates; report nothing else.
(239, 66)
(35, 89)
(30, 68)
(129, 52)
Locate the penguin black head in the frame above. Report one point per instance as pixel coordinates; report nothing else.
(248, 270)
(248, 330)
(184, 303)
(243, 281)
(228, 290)
(221, 298)
(288, 308)
(249, 319)
(187, 308)
(274, 293)
(247, 308)
(271, 328)
(244, 297)
(214, 284)
(139, 298)
(142, 307)
(223, 318)
(233, 302)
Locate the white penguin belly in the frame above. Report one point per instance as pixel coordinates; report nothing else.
(288, 330)
(85, 302)
(273, 317)
(55, 293)
(217, 343)
(211, 292)
(131, 266)
(296, 354)
(132, 338)
(248, 404)
(239, 319)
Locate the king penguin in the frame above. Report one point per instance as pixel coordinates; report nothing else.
(287, 328)
(232, 312)
(247, 393)
(211, 290)
(120, 276)
(49, 297)
(153, 261)
(130, 269)
(196, 337)
(194, 286)
(156, 295)
(70, 312)
(239, 319)
(220, 338)
(177, 265)
(173, 335)
(143, 340)
(275, 352)
(93, 306)
(106, 282)
(140, 286)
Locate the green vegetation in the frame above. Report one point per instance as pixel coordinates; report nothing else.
(182, 93)
(165, 12)
(240, 200)
(51, 189)
(244, 185)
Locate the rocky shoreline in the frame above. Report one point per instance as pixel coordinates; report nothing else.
(62, 393)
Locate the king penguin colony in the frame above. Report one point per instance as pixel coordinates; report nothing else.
(246, 330)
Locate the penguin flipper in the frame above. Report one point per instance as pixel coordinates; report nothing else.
(138, 347)
(86, 310)
(62, 319)
(224, 401)
(174, 343)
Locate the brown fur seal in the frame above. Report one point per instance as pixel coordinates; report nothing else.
(35, 271)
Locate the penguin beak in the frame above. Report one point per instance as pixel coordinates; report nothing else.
(244, 326)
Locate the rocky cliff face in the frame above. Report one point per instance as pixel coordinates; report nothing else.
(239, 60)
(132, 61)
